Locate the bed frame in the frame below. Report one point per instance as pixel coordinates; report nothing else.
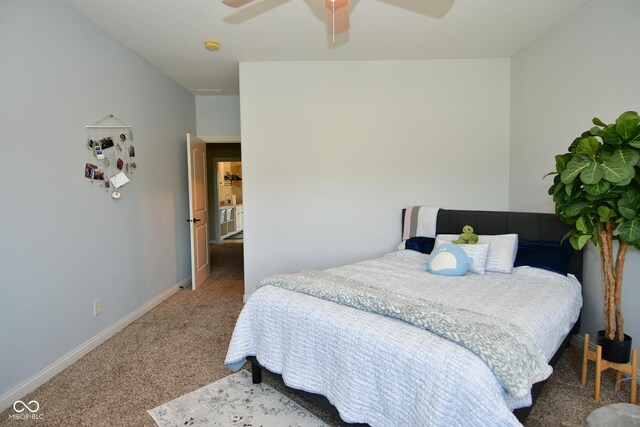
(529, 227)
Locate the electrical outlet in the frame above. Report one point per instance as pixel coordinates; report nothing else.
(97, 307)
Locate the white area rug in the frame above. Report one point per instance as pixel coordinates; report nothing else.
(234, 401)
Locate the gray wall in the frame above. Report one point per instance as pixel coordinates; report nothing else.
(586, 66)
(63, 241)
(332, 151)
(218, 115)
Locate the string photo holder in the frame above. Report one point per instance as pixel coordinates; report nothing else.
(110, 154)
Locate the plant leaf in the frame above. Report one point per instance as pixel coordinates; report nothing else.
(624, 182)
(632, 195)
(574, 168)
(596, 121)
(616, 171)
(611, 137)
(574, 144)
(568, 190)
(626, 210)
(581, 225)
(561, 162)
(629, 203)
(630, 232)
(599, 188)
(574, 241)
(592, 174)
(568, 235)
(558, 191)
(626, 155)
(596, 131)
(578, 241)
(605, 153)
(635, 133)
(606, 213)
(588, 146)
(635, 143)
(583, 240)
(574, 209)
(627, 124)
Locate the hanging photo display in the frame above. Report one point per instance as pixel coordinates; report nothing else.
(109, 152)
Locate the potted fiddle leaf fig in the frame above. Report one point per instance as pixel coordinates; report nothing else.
(596, 188)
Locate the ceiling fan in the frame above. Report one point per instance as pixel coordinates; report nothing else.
(337, 13)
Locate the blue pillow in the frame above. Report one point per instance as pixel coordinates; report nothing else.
(448, 259)
(420, 244)
(551, 256)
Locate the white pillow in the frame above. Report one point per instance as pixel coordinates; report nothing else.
(477, 252)
(502, 252)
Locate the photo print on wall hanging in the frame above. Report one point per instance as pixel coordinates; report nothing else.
(109, 152)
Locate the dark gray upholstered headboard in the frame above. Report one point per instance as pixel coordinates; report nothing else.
(528, 226)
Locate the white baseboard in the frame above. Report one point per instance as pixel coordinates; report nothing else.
(578, 341)
(9, 398)
(185, 284)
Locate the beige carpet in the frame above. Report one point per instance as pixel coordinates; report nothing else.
(177, 347)
(180, 346)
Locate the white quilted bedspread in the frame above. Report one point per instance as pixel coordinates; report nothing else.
(385, 372)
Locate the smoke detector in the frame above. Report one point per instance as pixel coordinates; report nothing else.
(212, 44)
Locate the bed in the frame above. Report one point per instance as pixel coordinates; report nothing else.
(381, 370)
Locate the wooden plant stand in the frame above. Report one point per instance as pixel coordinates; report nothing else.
(603, 365)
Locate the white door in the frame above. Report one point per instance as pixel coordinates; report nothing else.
(198, 209)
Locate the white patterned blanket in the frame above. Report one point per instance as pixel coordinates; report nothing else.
(385, 372)
(513, 357)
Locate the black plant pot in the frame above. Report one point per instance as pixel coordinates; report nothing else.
(613, 350)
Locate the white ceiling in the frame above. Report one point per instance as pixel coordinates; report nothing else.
(170, 33)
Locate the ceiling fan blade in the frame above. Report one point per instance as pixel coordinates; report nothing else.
(337, 15)
(236, 3)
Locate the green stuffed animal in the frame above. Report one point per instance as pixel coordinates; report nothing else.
(467, 236)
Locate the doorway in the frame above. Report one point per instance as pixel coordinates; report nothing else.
(226, 205)
(231, 208)
(216, 205)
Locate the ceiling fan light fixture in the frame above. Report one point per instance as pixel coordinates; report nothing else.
(212, 45)
(337, 13)
(337, 16)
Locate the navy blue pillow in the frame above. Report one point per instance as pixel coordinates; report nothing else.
(420, 244)
(547, 255)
